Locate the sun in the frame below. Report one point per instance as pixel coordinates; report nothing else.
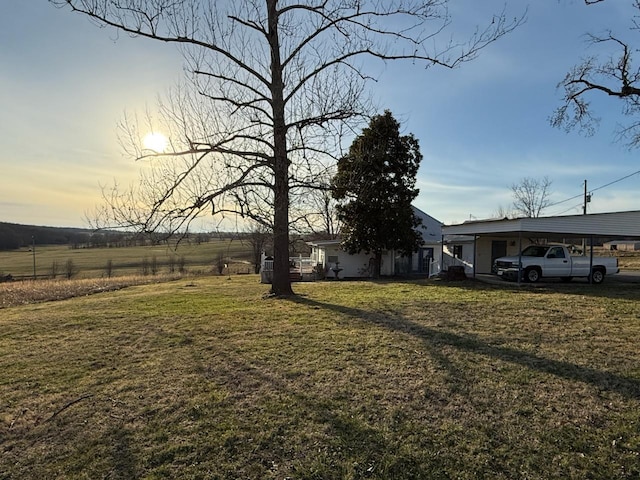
(155, 141)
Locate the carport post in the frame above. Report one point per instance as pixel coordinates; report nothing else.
(590, 259)
(519, 256)
(475, 239)
(441, 254)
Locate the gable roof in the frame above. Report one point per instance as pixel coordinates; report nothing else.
(431, 229)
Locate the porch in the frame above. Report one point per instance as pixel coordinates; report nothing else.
(301, 269)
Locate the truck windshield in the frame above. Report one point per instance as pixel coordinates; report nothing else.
(534, 251)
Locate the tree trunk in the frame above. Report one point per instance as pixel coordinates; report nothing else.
(281, 283)
(378, 265)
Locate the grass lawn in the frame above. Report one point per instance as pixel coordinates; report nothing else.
(204, 378)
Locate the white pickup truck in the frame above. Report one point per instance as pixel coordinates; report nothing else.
(539, 261)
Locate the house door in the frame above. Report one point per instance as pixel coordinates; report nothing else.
(425, 255)
(498, 249)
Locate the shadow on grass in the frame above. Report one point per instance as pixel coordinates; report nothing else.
(612, 288)
(345, 447)
(123, 459)
(607, 381)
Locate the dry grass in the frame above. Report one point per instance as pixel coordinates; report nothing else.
(206, 379)
(628, 260)
(30, 291)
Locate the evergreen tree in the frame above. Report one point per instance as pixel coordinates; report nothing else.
(375, 186)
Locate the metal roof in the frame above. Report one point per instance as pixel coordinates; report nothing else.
(323, 243)
(619, 224)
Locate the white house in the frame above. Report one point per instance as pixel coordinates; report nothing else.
(328, 255)
(623, 245)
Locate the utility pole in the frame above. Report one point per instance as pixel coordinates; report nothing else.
(587, 199)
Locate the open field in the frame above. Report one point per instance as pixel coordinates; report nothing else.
(628, 260)
(204, 378)
(92, 262)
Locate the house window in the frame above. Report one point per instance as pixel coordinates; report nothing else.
(332, 259)
(457, 251)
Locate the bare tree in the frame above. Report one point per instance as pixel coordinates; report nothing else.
(220, 263)
(614, 73)
(531, 196)
(326, 206)
(259, 238)
(503, 213)
(274, 84)
(70, 269)
(108, 269)
(144, 266)
(315, 214)
(54, 269)
(153, 266)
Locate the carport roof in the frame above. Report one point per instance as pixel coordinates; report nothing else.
(619, 224)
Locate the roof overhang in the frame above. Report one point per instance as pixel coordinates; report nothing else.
(324, 243)
(619, 224)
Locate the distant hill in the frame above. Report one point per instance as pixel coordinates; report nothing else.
(13, 235)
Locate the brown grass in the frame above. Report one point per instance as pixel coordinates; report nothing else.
(35, 291)
(205, 379)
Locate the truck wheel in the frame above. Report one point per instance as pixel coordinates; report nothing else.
(532, 274)
(597, 276)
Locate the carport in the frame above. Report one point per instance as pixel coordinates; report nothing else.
(616, 225)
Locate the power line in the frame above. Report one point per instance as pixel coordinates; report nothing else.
(569, 209)
(616, 181)
(592, 190)
(564, 201)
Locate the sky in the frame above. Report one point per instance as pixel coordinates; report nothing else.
(66, 83)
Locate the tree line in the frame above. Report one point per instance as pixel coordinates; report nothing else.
(14, 236)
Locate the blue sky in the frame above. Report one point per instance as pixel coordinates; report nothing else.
(65, 84)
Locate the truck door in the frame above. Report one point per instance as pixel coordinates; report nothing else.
(556, 263)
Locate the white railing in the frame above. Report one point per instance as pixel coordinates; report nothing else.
(434, 268)
(296, 264)
(301, 265)
(450, 261)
